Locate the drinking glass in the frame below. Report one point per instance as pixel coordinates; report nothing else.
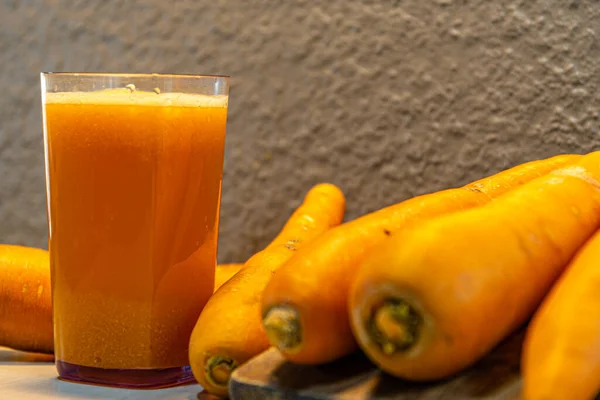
(133, 175)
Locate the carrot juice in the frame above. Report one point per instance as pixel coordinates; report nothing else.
(134, 185)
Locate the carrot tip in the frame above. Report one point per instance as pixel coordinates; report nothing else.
(282, 325)
(219, 369)
(395, 326)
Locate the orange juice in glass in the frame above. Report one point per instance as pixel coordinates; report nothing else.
(133, 170)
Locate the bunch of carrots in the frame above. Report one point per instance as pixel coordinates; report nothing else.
(425, 287)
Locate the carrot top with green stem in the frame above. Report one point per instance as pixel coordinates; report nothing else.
(304, 305)
(229, 332)
(435, 298)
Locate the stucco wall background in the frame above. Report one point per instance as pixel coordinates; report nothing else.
(387, 99)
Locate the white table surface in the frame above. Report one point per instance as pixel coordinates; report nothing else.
(33, 376)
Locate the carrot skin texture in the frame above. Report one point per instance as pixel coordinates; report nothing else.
(25, 299)
(326, 332)
(224, 272)
(334, 258)
(229, 326)
(561, 353)
(476, 275)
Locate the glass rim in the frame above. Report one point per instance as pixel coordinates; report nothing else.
(134, 75)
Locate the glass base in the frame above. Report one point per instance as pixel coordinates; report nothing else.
(125, 378)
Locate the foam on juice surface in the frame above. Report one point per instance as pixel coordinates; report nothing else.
(126, 96)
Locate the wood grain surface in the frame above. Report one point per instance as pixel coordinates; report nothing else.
(269, 377)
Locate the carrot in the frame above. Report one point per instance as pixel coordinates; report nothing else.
(561, 356)
(224, 272)
(229, 331)
(439, 296)
(25, 299)
(304, 304)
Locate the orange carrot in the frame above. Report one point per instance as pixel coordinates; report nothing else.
(224, 272)
(25, 299)
(229, 331)
(304, 304)
(439, 296)
(561, 356)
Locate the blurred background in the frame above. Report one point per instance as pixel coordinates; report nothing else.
(386, 98)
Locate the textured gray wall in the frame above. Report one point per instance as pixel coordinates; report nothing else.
(387, 99)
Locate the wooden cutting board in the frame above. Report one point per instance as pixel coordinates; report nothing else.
(269, 377)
